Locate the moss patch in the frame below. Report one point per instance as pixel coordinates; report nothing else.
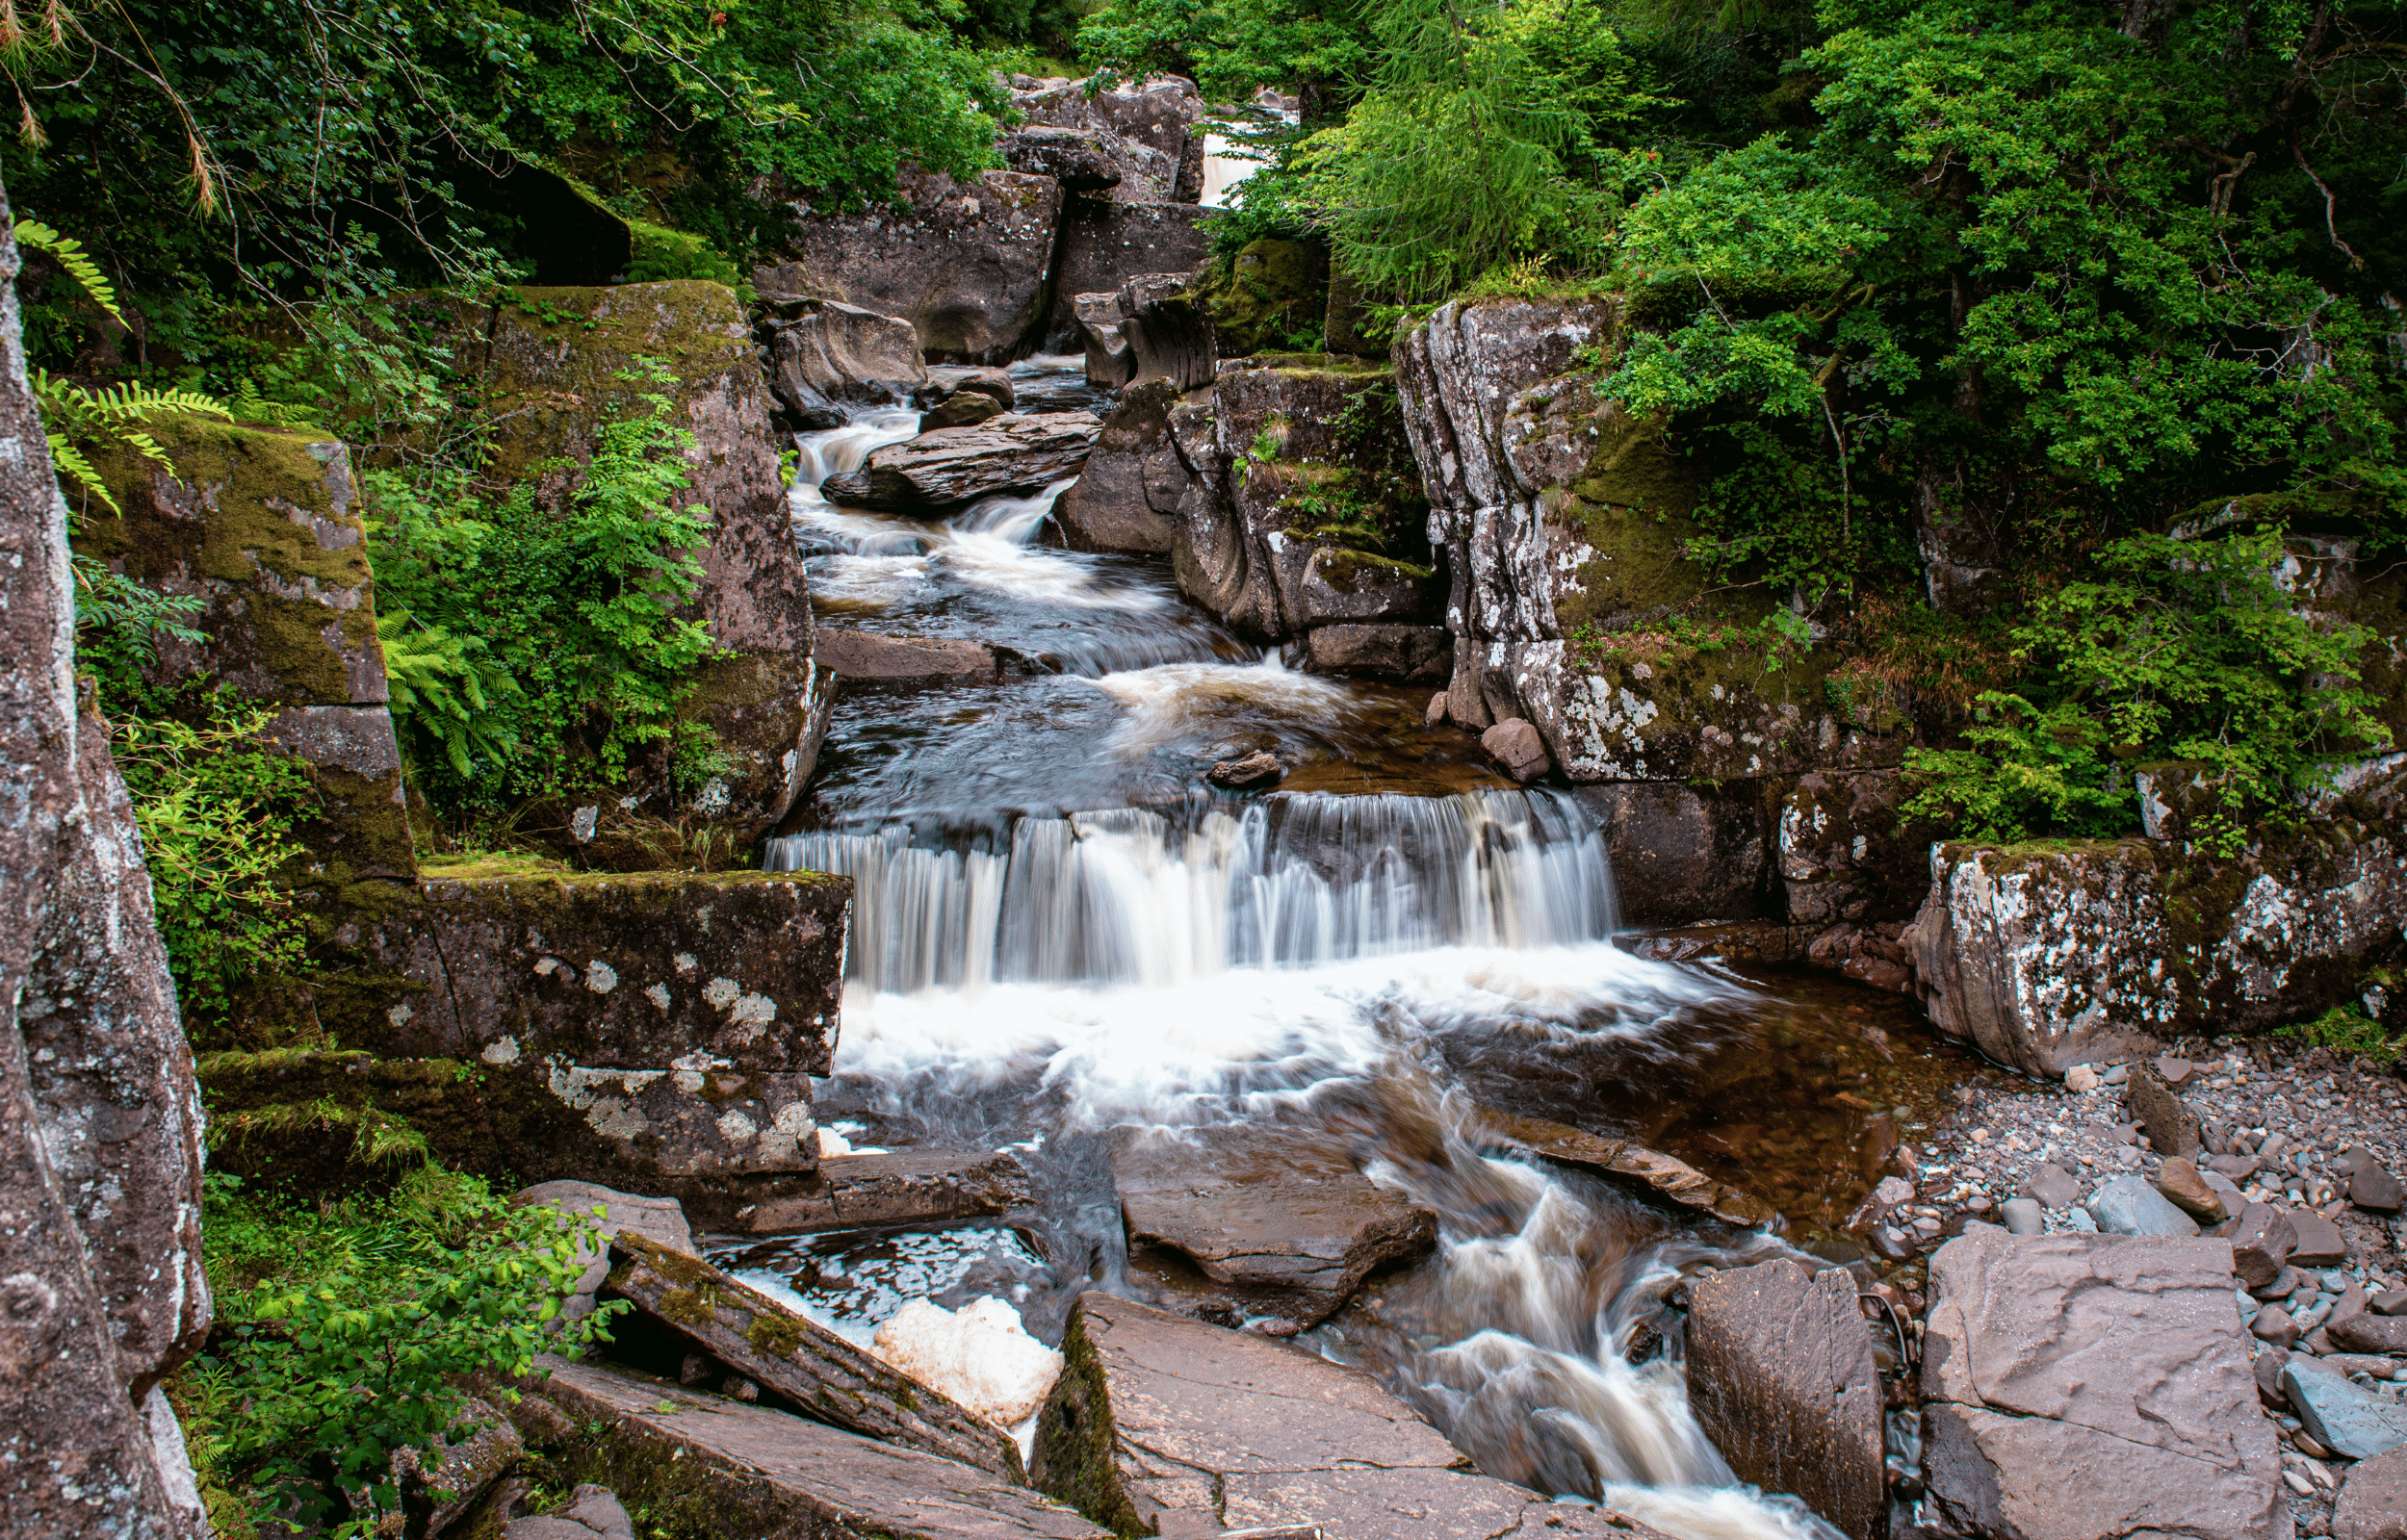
(1074, 1441)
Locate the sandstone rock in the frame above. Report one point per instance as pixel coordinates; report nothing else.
(746, 1469)
(2321, 1243)
(2372, 1333)
(963, 262)
(2274, 1324)
(871, 658)
(825, 356)
(913, 1188)
(1275, 1226)
(1015, 452)
(801, 1360)
(1414, 654)
(1110, 362)
(2127, 1205)
(1631, 1166)
(2023, 1216)
(591, 1513)
(1342, 586)
(1782, 1377)
(962, 409)
(2371, 1187)
(2082, 1385)
(1844, 853)
(1261, 768)
(98, 1305)
(1106, 243)
(1163, 1424)
(1516, 746)
(2181, 1182)
(2051, 1186)
(2372, 1504)
(1168, 331)
(2171, 1127)
(2262, 1243)
(1127, 494)
(658, 1220)
(2353, 1422)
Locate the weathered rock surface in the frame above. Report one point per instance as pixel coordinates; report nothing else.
(558, 365)
(916, 1188)
(1160, 113)
(825, 355)
(2094, 1385)
(710, 1466)
(1017, 451)
(2374, 1500)
(1631, 1166)
(2127, 1205)
(660, 1221)
(264, 526)
(1168, 331)
(591, 1513)
(1105, 242)
(1782, 1377)
(2351, 1422)
(965, 264)
(2051, 958)
(800, 1359)
(1110, 362)
(1682, 852)
(1414, 654)
(1261, 768)
(101, 1288)
(871, 658)
(1091, 161)
(1274, 1225)
(1516, 748)
(1129, 492)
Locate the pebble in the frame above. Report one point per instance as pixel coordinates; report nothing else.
(2024, 1217)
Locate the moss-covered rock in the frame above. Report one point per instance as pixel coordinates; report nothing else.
(1274, 300)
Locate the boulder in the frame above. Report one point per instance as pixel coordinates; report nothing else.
(2048, 957)
(1255, 770)
(870, 658)
(826, 356)
(785, 1352)
(965, 264)
(2127, 1205)
(1682, 852)
(2093, 1385)
(914, 1188)
(1017, 451)
(1275, 299)
(1630, 1166)
(1413, 653)
(264, 526)
(558, 365)
(1106, 243)
(1516, 748)
(1091, 161)
(1274, 1226)
(1160, 113)
(1110, 363)
(700, 1464)
(1845, 854)
(961, 409)
(2373, 1503)
(2371, 1333)
(1128, 494)
(1166, 1425)
(101, 1286)
(1782, 1377)
(1168, 331)
(1343, 586)
(2353, 1422)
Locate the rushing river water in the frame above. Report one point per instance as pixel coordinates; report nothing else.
(1059, 933)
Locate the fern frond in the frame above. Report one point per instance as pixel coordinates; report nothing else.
(71, 462)
(130, 403)
(69, 254)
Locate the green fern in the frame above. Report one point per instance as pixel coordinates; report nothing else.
(443, 685)
(68, 253)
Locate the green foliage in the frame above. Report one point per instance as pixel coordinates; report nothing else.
(344, 1331)
(1232, 50)
(540, 650)
(2346, 1029)
(217, 812)
(2179, 650)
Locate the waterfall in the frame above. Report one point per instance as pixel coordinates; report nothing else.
(1152, 897)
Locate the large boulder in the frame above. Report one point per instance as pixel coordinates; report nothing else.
(1683, 852)
(1128, 494)
(264, 526)
(1168, 332)
(1165, 1425)
(1106, 243)
(1090, 161)
(1781, 1377)
(826, 356)
(1161, 114)
(1110, 362)
(706, 1465)
(1275, 1228)
(558, 365)
(101, 1288)
(1017, 451)
(2094, 1385)
(1275, 299)
(2051, 956)
(964, 263)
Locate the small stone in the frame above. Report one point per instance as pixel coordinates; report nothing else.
(743, 1390)
(2078, 1218)
(2128, 1205)
(1261, 768)
(2286, 1283)
(2050, 1187)
(2179, 1180)
(2268, 1372)
(2262, 1242)
(2023, 1216)
(2081, 1078)
(2389, 1302)
(2238, 1168)
(696, 1369)
(2319, 1240)
(2115, 1075)
(1437, 711)
(1515, 744)
(2345, 1418)
(2371, 1187)
(2172, 1070)
(2273, 1324)
(2371, 1333)
(1894, 1191)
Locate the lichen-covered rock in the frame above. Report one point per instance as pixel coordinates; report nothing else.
(1160, 113)
(265, 526)
(1017, 451)
(560, 365)
(2050, 955)
(1091, 161)
(964, 263)
(1274, 299)
(1105, 244)
(825, 356)
(1845, 852)
(101, 1291)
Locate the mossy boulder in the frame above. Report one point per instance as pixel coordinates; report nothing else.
(1274, 299)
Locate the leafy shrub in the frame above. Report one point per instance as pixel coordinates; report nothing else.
(344, 1329)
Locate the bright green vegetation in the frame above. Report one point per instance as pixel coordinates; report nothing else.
(2348, 1030)
(344, 1329)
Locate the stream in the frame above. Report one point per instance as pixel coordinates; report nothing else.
(1060, 931)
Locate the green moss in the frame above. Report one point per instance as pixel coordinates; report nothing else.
(477, 866)
(696, 1307)
(1275, 298)
(777, 1335)
(1074, 1461)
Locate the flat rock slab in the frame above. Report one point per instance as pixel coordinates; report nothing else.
(2346, 1418)
(917, 1187)
(1276, 1227)
(801, 1360)
(1162, 1425)
(1017, 451)
(1782, 1377)
(869, 657)
(699, 1464)
(2374, 1500)
(2080, 1386)
(1631, 1166)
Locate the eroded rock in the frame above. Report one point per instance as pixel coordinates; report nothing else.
(1105, 242)
(1129, 491)
(1017, 451)
(826, 356)
(917, 1187)
(1631, 1165)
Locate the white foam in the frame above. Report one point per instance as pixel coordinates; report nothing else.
(1176, 700)
(981, 1356)
(1718, 1513)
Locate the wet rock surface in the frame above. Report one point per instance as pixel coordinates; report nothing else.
(827, 357)
(917, 1187)
(1129, 490)
(1780, 1375)
(1017, 451)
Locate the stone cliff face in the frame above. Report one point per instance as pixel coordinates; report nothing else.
(101, 1288)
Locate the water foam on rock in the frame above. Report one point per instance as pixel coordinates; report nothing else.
(981, 1356)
